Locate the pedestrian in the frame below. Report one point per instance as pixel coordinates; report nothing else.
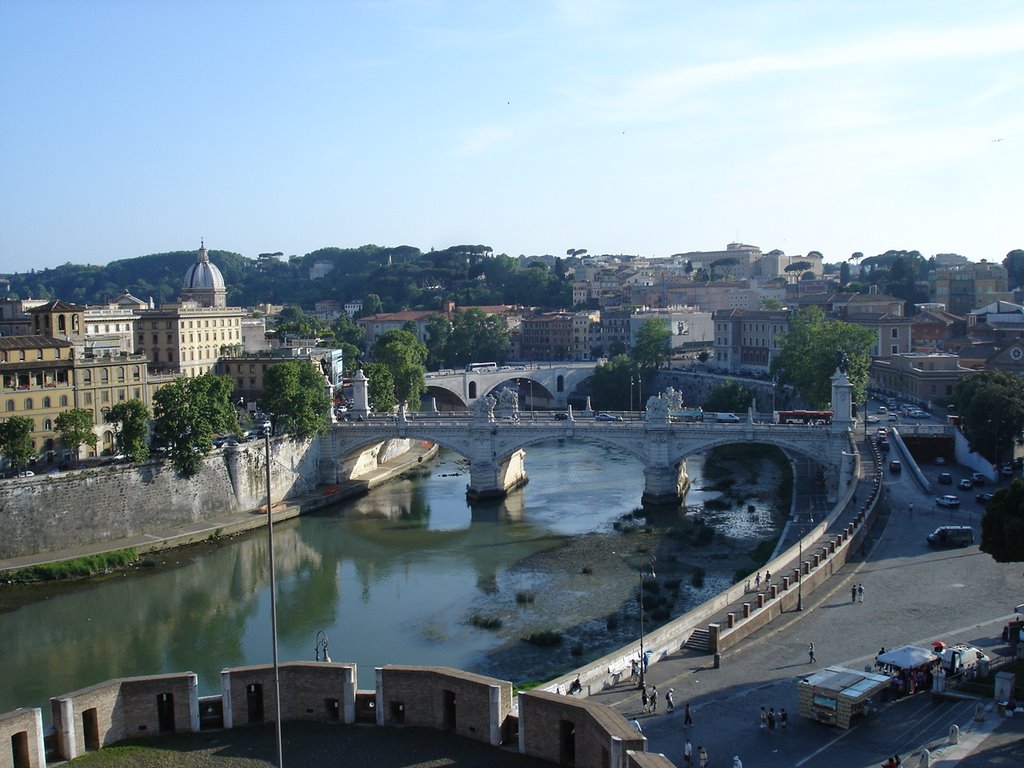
(688, 753)
(702, 756)
(687, 716)
(633, 671)
(736, 762)
(764, 721)
(654, 698)
(670, 703)
(853, 593)
(643, 698)
(771, 720)
(810, 652)
(860, 593)
(783, 718)
(757, 581)
(910, 508)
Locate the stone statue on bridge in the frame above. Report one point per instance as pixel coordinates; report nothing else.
(657, 408)
(483, 407)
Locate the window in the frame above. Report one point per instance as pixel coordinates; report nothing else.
(894, 349)
(46, 402)
(120, 374)
(895, 333)
(63, 401)
(105, 396)
(47, 425)
(104, 375)
(29, 405)
(10, 405)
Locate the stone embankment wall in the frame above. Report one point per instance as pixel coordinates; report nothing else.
(83, 507)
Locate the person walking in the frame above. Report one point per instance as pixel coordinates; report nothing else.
(702, 757)
(860, 593)
(687, 715)
(643, 698)
(763, 725)
(783, 719)
(654, 698)
(670, 702)
(736, 762)
(688, 753)
(853, 593)
(771, 720)
(757, 581)
(810, 652)
(910, 508)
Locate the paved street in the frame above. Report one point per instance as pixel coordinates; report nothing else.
(913, 594)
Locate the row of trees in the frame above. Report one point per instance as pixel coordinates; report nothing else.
(187, 414)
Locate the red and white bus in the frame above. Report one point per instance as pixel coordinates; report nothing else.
(803, 417)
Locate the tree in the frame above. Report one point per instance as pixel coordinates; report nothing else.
(798, 268)
(131, 428)
(189, 412)
(809, 352)
(613, 382)
(346, 330)
(844, 273)
(404, 357)
(75, 427)
(1002, 526)
(653, 345)
(991, 407)
(730, 397)
(295, 394)
(770, 303)
(380, 388)
(16, 440)
(476, 338)
(728, 261)
(372, 305)
(1014, 265)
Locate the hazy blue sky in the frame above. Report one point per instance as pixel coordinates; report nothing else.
(650, 128)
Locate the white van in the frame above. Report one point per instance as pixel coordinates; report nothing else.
(727, 418)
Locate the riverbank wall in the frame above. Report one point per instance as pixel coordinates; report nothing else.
(150, 507)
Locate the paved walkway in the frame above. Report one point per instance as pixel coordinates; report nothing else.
(912, 595)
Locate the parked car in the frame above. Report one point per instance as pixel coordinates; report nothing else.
(978, 479)
(872, 419)
(893, 417)
(949, 500)
(945, 478)
(895, 467)
(983, 498)
(965, 484)
(26, 473)
(1006, 470)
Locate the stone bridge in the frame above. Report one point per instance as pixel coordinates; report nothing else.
(553, 382)
(495, 443)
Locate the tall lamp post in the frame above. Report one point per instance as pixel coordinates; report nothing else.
(800, 574)
(321, 644)
(643, 658)
(273, 606)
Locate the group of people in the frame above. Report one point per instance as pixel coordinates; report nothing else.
(857, 593)
(649, 701)
(770, 720)
(702, 756)
(767, 581)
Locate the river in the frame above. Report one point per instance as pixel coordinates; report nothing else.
(394, 577)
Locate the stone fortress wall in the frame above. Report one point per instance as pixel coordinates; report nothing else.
(90, 506)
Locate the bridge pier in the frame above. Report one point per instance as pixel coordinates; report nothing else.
(665, 485)
(493, 480)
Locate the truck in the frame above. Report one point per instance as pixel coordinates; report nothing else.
(962, 659)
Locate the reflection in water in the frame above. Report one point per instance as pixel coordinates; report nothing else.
(390, 577)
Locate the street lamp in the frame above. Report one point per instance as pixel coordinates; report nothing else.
(643, 658)
(273, 607)
(800, 574)
(631, 394)
(321, 643)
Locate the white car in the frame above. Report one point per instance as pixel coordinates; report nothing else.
(949, 500)
(965, 484)
(607, 417)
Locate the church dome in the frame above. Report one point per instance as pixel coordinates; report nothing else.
(203, 275)
(203, 283)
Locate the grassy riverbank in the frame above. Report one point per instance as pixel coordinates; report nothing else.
(78, 568)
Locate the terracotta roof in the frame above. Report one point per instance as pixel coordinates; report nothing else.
(57, 306)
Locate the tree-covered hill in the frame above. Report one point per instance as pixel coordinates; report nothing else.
(403, 277)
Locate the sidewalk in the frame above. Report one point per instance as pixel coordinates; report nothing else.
(236, 522)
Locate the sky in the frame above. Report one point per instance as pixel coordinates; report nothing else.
(622, 127)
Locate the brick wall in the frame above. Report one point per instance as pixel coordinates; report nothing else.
(314, 691)
(21, 739)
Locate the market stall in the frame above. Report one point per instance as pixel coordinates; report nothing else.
(837, 695)
(910, 667)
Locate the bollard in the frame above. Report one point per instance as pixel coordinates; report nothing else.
(979, 712)
(926, 759)
(954, 735)
(718, 660)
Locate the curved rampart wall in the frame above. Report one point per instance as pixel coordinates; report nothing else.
(84, 507)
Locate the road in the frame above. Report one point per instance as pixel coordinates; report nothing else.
(913, 594)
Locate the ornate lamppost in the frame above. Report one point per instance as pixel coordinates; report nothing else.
(321, 644)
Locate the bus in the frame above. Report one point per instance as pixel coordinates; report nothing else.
(478, 367)
(803, 417)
